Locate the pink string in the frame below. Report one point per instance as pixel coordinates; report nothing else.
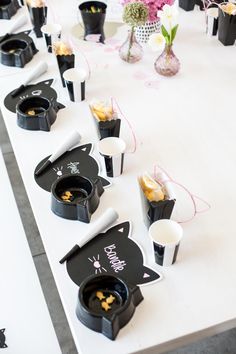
(114, 102)
(192, 196)
(83, 55)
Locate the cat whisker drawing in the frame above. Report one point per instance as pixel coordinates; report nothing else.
(36, 92)
(97, 265)
(58, 171)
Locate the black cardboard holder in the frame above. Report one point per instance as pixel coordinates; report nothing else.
(187, 5)
(87, 194)
(8, 8)
(17, 50)
(65, 62)
(226, 28)
(153, 211)
(93, 22)
(45, 113)
(38, 17)
(93, 316)
(109, 128)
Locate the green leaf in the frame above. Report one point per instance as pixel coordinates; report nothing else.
(165, 32)
(173, 32)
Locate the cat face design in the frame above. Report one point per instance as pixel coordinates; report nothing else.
(115, 253)
(42, 88)
(77, 160)
(2, 339)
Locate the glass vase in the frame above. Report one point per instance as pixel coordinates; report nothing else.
(131, 51)
(167, 64)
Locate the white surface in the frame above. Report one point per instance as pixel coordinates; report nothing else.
(186, 124)
(23, 310)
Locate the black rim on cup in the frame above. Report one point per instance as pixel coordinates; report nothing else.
(36, 113)
(93, 21)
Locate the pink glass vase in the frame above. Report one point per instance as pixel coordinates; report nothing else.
(167, 64)
(131, 51)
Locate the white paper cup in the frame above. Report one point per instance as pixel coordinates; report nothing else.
(75, 83)
(113, 149)
(51, 33)
(212, 21)
(166, 236)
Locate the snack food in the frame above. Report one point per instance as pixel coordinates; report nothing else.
(110, 299)
(102, 110)
(105, 306)
(229, 8)
(62, 48)
(100, 295)
(35, 3)
(67, 196)
(153, 191)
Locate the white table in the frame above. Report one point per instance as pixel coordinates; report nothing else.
(187, 125)
(24, 312)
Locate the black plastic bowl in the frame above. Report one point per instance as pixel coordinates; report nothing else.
(90, 312)
(16, 52)
(8, 8)
(86, 197)
(44, 109)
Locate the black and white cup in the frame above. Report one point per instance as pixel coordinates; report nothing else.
(212, 21)
(75, 82)
(166, 236)
(51, 33)
(113, 149)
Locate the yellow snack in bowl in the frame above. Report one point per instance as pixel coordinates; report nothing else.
(151, 188)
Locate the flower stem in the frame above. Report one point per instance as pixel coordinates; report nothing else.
(130, 43)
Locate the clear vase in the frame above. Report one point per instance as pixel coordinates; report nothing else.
(167, 64)
(131, 51)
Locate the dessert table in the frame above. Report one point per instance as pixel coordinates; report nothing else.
(185, 124)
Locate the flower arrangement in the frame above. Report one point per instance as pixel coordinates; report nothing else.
(169, 29)
(134, 14)
(153, 7)
(167, 64)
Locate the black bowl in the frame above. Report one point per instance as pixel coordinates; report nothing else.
(90, 310)
(17, 50)
(85, 197)
(36, 113)
(8, 8)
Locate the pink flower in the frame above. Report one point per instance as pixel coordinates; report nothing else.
(152, 5)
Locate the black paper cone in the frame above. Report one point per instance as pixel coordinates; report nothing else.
(109, 128)
(38, 16)
(65, 62)
(226, 28)
(93, 22)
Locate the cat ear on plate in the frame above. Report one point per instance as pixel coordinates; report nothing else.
(149, 275)
(105, 182)
(122, 229)
(46, 82)
(2, 330)
(86, 148)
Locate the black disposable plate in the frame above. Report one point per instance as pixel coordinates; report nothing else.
(42, 88)
(8, 8)
(83, 200)
(17, 50)
(75, 161)
(113, 293)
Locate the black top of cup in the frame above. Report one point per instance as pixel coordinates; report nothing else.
(87, 5)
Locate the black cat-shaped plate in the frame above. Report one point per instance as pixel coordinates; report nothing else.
(75, 161)
(42, 88)
(112, 252)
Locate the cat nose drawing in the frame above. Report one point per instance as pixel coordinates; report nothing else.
(97, 265)
(58, 171)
